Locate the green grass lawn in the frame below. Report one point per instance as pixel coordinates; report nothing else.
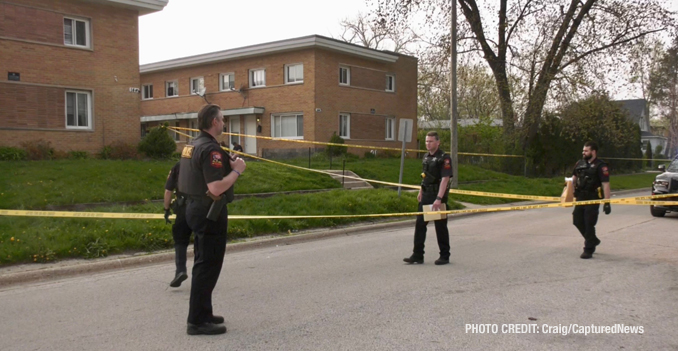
(24, 239)
(36, 184)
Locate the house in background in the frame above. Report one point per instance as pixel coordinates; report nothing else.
(304, 88)
(70, 71)
(639, 113)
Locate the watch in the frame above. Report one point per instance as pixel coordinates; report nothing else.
(439, 198)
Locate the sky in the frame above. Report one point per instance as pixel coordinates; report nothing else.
(191, 27)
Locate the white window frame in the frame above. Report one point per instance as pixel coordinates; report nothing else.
(392, 130)
(348, 75)
(89, 109)
(347, 116)
(176, 84)
(251, 77)
(201, 83)
(274, 127)
(145, 89)
(296, 80)
(74, 34)
(390, 83)
(221, 81)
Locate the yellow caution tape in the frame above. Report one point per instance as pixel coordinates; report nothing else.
(112, 215)
(175, 129)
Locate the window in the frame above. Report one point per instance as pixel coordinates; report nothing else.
(193, 124)
(171, 88)
(345, 125)
(78, 110)
(227, 81)
(390, 128)
(390, 82)
(257, 78)
(76, 32)
(234, 123)
(147, 92)
(344, 76)
(197, 85)
(294, 73)
(287, 126)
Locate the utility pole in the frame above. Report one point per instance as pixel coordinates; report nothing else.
(454, 147)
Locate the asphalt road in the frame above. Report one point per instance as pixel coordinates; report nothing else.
(355, 293)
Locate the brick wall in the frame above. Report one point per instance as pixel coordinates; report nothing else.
(320, 89)
(47, 67)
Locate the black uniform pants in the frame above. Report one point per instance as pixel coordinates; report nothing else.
(181, 233)
(585, 218)
(442, 233)
(210, 248)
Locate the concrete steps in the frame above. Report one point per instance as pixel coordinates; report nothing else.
(348, 182)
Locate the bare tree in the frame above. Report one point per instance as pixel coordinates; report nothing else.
(375, 34)
(663, 88)
(541, 41)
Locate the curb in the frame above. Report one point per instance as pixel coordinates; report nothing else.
(138, 260)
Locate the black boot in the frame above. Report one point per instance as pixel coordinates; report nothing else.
(414, 259)
(442, 261)
(180, 277)
(205, 328)
(588, 253)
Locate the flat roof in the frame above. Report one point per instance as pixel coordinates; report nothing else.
(143, 6)
(311, 41)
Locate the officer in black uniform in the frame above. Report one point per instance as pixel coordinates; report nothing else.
(207, 177)
(591, 179)
(435, 186)
(181, 232)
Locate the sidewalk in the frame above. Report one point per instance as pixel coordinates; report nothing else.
(30, 273)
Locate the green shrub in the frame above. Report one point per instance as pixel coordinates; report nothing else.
(158, 143)
(8, 153)
(38, 149)
(105, 153)
(369, 154)
(336, 150)
(78, 155)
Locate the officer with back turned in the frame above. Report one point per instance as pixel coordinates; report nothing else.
(591, 179)
(181, 232)
(207, 177)
(435, 186)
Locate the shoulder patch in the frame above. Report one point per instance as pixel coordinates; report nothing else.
(448, 164)
(215, 159)
(606, 172)
(187, 152)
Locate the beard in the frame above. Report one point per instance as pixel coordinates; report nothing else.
(588, 157)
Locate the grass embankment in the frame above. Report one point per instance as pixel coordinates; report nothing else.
(47, 239)
(34, 185)
(37, 184)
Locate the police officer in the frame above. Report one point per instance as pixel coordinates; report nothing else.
(207, 177)
(181, 232)
(435, 186)
(591, 179)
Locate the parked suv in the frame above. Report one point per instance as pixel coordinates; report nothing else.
(666, 183)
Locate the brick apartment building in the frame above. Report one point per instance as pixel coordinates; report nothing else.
(67, 67)
(303, 88)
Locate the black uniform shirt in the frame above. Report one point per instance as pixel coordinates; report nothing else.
(441, 158)
(172, 178)
(603, 170)
(214, 161)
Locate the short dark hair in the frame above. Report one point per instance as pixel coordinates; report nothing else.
(592, 145)
(206, 115)
(433, 134)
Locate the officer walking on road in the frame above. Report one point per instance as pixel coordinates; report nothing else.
(591, 179)
(181, 232)
(435, 186)
(207, 177)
